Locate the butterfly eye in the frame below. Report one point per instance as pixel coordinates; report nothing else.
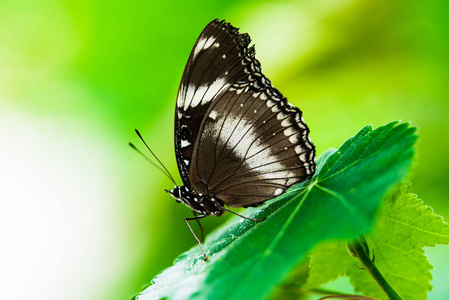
(174, 193)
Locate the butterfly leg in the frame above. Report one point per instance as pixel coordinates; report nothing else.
(242, 216)
(200, 226)
(194, 235)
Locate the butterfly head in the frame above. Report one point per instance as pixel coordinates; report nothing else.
(200, 203)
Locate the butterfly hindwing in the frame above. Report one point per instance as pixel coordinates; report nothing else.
(252, 146)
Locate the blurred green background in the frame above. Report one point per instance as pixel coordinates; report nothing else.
(85, 217)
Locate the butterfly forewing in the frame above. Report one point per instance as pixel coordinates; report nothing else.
(213, 66)
(237, 137)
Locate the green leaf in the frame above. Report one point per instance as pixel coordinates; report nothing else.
(328, 261)
(248, 259)
(291, 287)
(403, 226)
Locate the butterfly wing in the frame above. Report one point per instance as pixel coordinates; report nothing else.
(245, 143)
(213, 66)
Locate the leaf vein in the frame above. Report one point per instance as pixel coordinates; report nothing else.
(269, 250)
(407, 253)
(417, 228)
(345, 202)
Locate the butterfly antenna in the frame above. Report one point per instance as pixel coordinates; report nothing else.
(164, 170)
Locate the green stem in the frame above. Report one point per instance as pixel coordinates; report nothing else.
(369, 265)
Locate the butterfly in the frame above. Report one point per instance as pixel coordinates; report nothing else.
(238, 141)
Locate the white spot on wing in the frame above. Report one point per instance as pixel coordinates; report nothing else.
(294, 139)
(278, 191)
(303, 156)
(286, 122)
(298, 150)
(185, 143)
(203, 44)
(195, 98)
(301, 125)
(289, 131)
(203, 93)
(213, 115)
